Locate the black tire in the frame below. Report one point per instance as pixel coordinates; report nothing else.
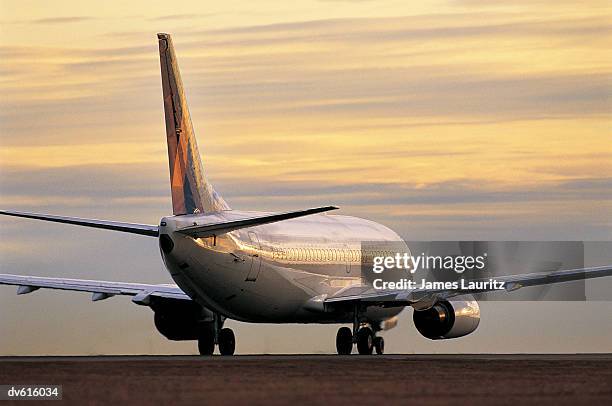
(365, 341)
(206, 342)
(344, 341)
(379, 345)
(227, 341)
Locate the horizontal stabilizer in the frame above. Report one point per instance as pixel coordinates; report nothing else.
(207, 230)
(142, 229)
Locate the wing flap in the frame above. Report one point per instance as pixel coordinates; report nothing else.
(208, 230)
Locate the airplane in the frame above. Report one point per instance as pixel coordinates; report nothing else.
(266, 267)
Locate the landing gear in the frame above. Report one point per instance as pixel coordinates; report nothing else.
(379, 345)
(227, 341)
(344, 341)
(362, 335)
(206, 342)
(365, 341)
(213, 333)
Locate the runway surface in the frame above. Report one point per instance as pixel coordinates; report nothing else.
(322, 379)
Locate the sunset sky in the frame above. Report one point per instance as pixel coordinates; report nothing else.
(441, 119)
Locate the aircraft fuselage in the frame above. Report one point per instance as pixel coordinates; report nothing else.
(271, 273)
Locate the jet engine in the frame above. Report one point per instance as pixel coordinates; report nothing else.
(180, 320)
(452, 318)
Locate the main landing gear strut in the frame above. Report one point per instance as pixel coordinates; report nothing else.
(223, 337)
(362, 335)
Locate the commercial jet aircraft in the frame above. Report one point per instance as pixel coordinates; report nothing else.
(266, 267)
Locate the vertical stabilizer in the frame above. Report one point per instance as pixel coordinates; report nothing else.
(191, 192)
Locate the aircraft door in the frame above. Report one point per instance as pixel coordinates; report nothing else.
(255, 258)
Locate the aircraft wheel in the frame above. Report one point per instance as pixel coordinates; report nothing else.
(344, 341)
(206, 342)
(379, 345)
(227, 341)
(365, 341)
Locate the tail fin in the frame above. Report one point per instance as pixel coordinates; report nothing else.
(191, 192)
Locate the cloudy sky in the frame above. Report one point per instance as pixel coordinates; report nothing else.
(441, 119)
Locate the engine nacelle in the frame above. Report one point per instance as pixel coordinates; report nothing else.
(456, 317)
(180, 319)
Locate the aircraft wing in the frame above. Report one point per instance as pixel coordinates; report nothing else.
(222, 227)
(397, 298)
(141, 293)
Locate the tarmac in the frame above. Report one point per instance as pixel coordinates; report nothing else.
(321, 379)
